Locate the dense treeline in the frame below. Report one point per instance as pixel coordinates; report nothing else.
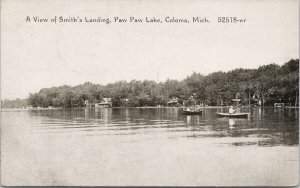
(17, 103)
(268, 84)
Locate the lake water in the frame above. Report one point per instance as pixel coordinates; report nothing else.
(140, 146)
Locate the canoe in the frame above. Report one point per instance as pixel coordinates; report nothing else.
(234, 115)
(184, 112)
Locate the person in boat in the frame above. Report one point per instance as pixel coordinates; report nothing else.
(231, 110)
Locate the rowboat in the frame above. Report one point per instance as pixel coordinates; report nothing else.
(234, 115)
(196, 112)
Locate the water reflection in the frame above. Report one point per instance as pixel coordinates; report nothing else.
(265, 127)
(231, 123)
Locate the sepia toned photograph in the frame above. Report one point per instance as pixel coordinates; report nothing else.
(149, 93)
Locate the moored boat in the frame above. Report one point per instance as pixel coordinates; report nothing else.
(234, 115)
(186, 112)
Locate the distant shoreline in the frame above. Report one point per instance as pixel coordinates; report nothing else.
(146, 107)
(267, 85)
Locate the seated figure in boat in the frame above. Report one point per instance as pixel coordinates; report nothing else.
(231, 110)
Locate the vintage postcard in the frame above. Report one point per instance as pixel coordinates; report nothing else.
(149, 93)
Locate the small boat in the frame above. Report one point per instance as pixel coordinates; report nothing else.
(234, 115)
(195, 112)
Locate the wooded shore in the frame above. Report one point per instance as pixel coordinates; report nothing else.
(264, 86)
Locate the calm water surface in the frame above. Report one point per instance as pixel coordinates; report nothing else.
(138, 146)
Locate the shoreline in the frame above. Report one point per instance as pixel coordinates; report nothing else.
(143, 107)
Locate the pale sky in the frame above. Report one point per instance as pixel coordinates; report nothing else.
(39, 55)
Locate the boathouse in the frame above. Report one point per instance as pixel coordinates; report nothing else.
(173, 101)
(105, 103)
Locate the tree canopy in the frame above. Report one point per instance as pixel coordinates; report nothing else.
(271, 83)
